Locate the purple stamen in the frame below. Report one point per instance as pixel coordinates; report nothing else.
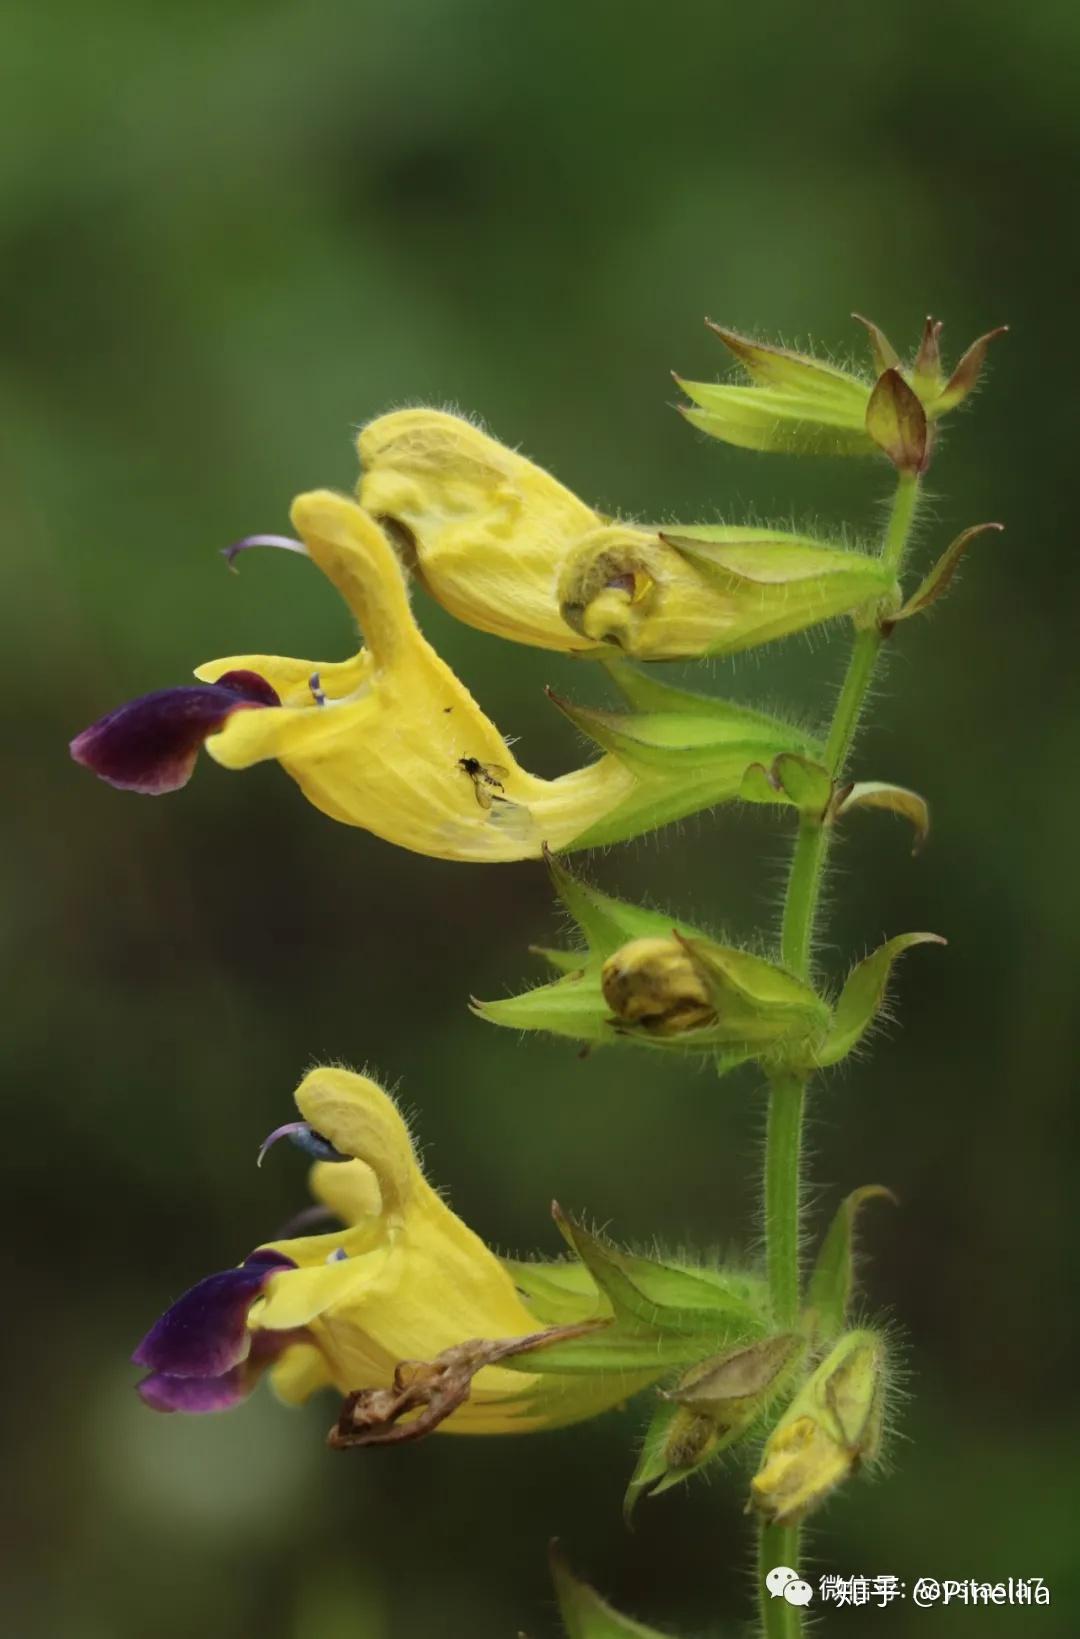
(305, 1138)
(284, 543)
(316, 688)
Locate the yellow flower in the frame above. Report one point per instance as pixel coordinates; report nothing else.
(395, 742)
(404, 1281)
(505, 547)
(391, 740)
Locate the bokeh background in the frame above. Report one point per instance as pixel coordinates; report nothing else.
(231, 233)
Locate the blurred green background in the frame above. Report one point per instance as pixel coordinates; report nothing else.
(231, 233)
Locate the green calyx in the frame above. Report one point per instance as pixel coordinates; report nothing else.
(687, 753)
(642, 977)
(798, 404)
(654, 1314)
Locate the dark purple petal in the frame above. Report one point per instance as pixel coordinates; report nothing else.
(161, 1392)
(205, 1333)
(150, 745)
(252, 688)
(164, 1391)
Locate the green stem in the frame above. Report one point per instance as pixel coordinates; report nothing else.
(779, 1545)
(782, 1156)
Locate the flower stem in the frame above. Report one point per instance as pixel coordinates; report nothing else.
(779, 1544)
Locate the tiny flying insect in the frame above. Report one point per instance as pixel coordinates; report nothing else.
(486, 778)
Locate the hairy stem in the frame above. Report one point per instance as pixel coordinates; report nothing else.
(779, 1545)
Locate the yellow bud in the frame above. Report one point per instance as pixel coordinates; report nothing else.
(831, 1428)
(657, 984)
(629, 589)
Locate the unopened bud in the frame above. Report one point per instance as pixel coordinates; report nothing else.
(831, 1428)
(658, 984)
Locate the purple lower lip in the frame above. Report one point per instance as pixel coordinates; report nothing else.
(205, 1332)
(164, 1391)
(150, 744)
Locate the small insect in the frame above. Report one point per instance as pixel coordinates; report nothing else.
(487, 778)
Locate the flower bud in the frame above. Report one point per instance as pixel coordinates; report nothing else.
(666, 985)
(797, 404)
(832, 1427)
(659, 985)
(718, 589)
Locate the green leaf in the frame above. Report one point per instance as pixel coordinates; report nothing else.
(833, 1279)
(585, 1615)
(896, 421)
(896, 799)
(937, 582)
(863, 994)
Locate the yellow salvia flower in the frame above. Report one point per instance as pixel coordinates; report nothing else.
(391, 740)
(505, 547)
(403, 1282)
(397, 744)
